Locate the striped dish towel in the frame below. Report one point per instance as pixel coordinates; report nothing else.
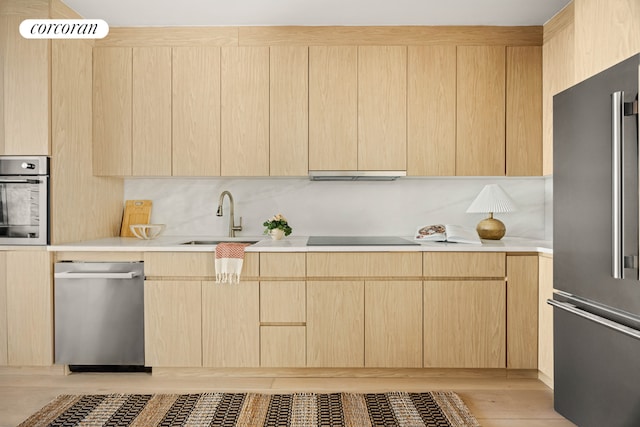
(229, 260)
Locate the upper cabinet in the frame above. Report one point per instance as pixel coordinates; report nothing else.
(264, 105)
(333, 108)
(606, 32)
(289, 111)
(132, 111)
(357, 108)
(24, 88)
(382, 108)
(196, 111)
(524, 111)
(431, 113)
(480, 113)
(245, 111)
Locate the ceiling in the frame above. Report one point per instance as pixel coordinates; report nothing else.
(127, 13)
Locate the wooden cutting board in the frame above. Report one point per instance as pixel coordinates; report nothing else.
(135, 212)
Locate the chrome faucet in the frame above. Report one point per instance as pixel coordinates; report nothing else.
(232, 227)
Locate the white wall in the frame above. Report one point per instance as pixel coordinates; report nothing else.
(188, 206)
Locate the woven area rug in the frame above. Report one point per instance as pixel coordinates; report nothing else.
(248, 409)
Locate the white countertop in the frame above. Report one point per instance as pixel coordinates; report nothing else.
(294, 244)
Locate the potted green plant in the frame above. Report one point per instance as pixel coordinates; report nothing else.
(277, 227)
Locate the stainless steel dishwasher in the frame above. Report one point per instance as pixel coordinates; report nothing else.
(99, 313)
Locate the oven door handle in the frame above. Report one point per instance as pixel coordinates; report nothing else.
(20, 181)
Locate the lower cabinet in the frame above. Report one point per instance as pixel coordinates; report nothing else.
(393, 324)
(335, 324)
(283, 346)
(230, 325)
(172, 323)
(464, 324)
(26, 309)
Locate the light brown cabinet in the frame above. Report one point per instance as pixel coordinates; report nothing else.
(480, 114)
(357, 108)
(431, 111)
(464, 310)
(132, 111)
(393, 324)
(244, 92)
(223, 318)
(230, 325)
(289, 111)
(26, 309)
(24, 87)
(333, 108)
(283, 310)
(195, 105)
(524, 111)
(335, 324)
(354, 321)
(606, 32)
(522, 311)
(545, 319)
(172, 323)
(382, 108)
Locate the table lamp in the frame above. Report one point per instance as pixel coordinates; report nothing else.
(491, 199)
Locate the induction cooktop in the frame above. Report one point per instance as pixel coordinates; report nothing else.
(359, 241)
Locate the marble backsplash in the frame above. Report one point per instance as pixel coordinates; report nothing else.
(188, 205)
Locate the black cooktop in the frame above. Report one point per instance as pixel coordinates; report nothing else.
(359, 241)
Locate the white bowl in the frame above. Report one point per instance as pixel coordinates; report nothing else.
(147, 231)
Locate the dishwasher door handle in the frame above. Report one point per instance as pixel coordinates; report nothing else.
(95, 275)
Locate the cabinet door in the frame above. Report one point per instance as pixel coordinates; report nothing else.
(431, 112)
(464, 324)
(606, 32)
(230, 325)
(480, 119)
(382, 108)
(24, 124)
(393, 324)
(245, 111)
(289, 111)
(335, 324)
(524, 111)
(196, 111)
(112, 100)
(172, 323)
(283, 302)
(522, 312)
(545, 318)
(29, 308)
(151, 108)
(333, 108)
(282, 346)
(3, 308)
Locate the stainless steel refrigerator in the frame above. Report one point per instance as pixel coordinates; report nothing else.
(595, 237)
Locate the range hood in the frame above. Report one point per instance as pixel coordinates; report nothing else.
(356, 175)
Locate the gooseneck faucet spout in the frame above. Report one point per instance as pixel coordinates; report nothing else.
(232, 227)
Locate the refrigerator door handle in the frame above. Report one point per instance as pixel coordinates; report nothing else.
(595, 318)
(617, 156)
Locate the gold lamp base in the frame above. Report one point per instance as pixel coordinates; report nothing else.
(491, 228)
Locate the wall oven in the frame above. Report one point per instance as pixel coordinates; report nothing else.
(24, 200)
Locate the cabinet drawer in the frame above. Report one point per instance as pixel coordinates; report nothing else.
(361, 264)
(283, 347)
(464, 264)
(283, 302)
(274, 265)
(196, 264)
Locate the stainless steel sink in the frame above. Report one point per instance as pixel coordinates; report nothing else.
(215, 242)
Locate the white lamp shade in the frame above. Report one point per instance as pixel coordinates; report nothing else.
(491, 199)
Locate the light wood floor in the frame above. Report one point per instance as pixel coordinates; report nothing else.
(494, 399)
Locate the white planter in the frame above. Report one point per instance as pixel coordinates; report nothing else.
(276, 234)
